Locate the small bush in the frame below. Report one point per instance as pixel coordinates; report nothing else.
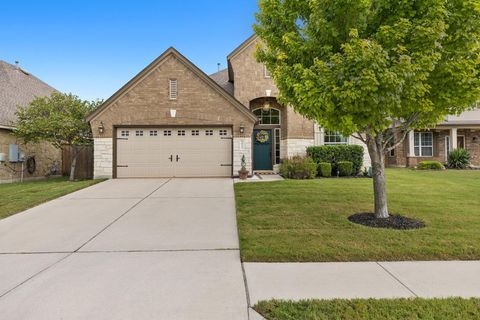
(430, 165)
(345, 168)
(298, 168)
(325, 169)
(458, 159)
(335, 153)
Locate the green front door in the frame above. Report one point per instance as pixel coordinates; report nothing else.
(262, 149)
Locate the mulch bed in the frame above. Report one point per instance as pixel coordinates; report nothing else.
(395, 221)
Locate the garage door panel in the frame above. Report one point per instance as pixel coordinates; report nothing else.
(202, 152)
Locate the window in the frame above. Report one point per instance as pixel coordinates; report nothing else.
(277, 145)
(266, 73)
(209, 132)
(139, 133)
(223, 132)
(125, 133)
(334, 137)
(173, 89)
(181, 132)
(390, 144)
(272, 116)
(195, 133)
(167, 133)
(423, 144)
(153, 133)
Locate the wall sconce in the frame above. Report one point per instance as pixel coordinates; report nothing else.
(101, 128)
(266, 106)
(173, 113)
(242, 129)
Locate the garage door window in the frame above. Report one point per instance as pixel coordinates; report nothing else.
(223, 132)
(125, 133)
(209, 132)
(139, 133)
(181, 132)
(195, 132)
(153, 133)
(167, 133)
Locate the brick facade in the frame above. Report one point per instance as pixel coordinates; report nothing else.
(45, 155)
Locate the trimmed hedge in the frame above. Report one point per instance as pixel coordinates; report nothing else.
(430, 165)
(335, 153)
(325, 169)
(345, 168)
(298, 168)
(458, 159)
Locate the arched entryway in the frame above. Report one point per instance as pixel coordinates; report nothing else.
(267, 133)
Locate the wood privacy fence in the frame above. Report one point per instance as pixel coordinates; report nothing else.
(84, 167)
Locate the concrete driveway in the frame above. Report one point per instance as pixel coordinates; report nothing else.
(126, 249)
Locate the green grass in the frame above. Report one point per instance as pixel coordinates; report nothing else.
(16, 197)
(383, 309)
(306, 220)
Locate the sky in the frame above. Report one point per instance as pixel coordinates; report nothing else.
(92, 48)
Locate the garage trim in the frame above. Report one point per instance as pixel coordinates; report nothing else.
(115, 127)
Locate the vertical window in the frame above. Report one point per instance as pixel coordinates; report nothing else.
(423, 144)
(334, 137)
(391, 143)
(266, 73)
(181, 132)
(173, 89)
(167, 133)
(153, 133)
(125, 133)
(139, 133)
(223, 132)
(195, 133)
(209, 132)
(277, 145)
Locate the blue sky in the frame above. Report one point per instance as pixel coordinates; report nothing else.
(91, 48)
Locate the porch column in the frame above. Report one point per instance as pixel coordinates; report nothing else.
(453, 139)
(411, 143)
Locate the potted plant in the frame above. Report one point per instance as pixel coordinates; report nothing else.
(243, 172)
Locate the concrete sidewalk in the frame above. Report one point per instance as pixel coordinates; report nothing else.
(296, 281)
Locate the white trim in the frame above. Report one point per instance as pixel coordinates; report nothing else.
(420, 146)
(447, 147)
(266, 73)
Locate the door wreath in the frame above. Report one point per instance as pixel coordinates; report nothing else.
(262, 136)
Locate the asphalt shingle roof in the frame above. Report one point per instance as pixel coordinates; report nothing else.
(221, 77)
(18, 87)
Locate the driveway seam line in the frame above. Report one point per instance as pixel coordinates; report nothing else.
(121, 216)
(394, 277)
(247, 291)
(34, 275)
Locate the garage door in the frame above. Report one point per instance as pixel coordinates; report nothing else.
(174, 152)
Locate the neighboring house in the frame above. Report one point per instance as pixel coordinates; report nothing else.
(173, 120)
(19, 88)
(461, 131)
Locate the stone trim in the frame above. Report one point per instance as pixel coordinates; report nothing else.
(102, 158)
(242, 146)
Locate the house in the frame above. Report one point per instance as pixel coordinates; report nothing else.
(19, 88)
(173, 120)
(462, 131)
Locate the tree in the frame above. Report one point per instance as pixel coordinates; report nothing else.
(58, 119)
(374, 69)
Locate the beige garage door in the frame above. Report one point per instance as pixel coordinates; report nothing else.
(174, 152)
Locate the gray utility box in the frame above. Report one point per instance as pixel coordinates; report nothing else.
(13, 154)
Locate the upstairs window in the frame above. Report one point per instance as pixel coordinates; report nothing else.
(173, 89)
(272, 116)
(266, 73)
(334, 137)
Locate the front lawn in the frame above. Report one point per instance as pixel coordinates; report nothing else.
(16, 197)
(306, 220)
(359, 309)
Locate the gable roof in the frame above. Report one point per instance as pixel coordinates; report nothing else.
(18, 88)
(146, 71)
(245, 44)
(221, 78)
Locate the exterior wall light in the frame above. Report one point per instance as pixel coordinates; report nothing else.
(242, 129)
(268, 93)
(266, 106)
(173, 113)
(101, 128)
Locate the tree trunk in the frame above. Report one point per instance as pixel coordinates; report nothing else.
(377, 155)
(74, 163)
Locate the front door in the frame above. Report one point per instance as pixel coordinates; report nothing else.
(262, 149)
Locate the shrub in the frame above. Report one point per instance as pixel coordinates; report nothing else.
(345, 168)
(335, 153)
(458, 159)
(430, 165)
(298, 168)
(325, 169)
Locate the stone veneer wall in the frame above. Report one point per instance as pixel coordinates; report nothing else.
(242, 146)
(295, 147)
(45, 154)
(103, 158)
